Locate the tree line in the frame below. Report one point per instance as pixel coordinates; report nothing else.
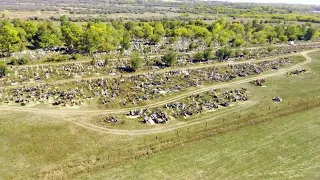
(91, 37)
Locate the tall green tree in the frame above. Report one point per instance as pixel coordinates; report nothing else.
(292, 32)
(31, 29)
(92, 38)
(71, 34)
(100, 37)
(137, 32)
(159, 30)
(311, 34)
(281, 33)
(23, 38)
(271, 34)
(259, 37)
(147, 30)
(9, 39)
(47, 36)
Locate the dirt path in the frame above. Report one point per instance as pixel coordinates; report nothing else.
(160, 129)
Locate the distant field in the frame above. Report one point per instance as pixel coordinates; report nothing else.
(57, 14)
(30, 14)
(127, 16)
(268, 140)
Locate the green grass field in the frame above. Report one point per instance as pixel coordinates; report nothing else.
(265, 141)
(284, 148)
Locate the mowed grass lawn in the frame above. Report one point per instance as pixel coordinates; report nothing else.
(45, 146)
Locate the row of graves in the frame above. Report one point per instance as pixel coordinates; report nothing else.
(298, 72)
(258, 82)
(261, 53)
(191, 105)
(295, 48)
(42, 73)
(134, 90)
(143, 89)
(35, 55)
(44, 94)
(181, 45)
(47, 73)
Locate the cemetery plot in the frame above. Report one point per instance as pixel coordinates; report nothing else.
(42, 73)
(181, 110)
(48, 73)
(135, 90)
(191, 105)
(181, 45)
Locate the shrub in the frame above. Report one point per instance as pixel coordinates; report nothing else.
(192, 46)
(19, 61)
(198, 56)
(76, 56)
(93, 61)
(224, 53)
(270, 48)
(170, 58)
(245, 52)
(208, 54)
(60, 58)
(3, 69)
(135, 61)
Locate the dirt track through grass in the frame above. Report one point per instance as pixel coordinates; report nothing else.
(204, 118)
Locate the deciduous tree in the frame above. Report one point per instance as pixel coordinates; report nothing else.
(9, 39)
